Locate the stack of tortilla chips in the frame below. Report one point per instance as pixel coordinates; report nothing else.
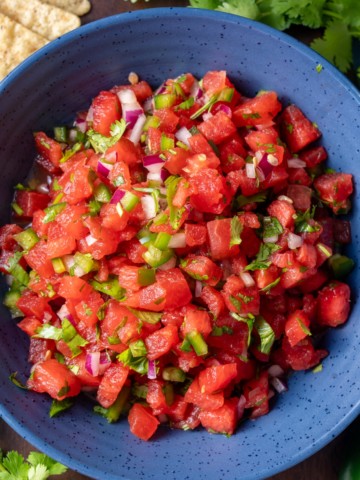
(26, 26)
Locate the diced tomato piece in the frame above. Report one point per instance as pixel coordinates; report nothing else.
(297, 327)
(307, 255)
(301, 197)
(335, 189)
(48, 148)
(176, 159)
(210, 191)
(334, 304)
(177, 291)
(342, 231)
(125, 151)
(223, 420)
(313, 156)
(195, 234)
(161, 342)
(283, 211)
(298, 131)
(106, 110)
(35, 305)
(168, 120)
(30, 202)
(202, 268)
(143, 424)
(217, 128)
(213, 300)
(54, 378)
(71, 220)
(82, 373)
(213, 379)
(267, 137)
(303, 355)
(239, 298)
(214, 82)
(59, 242)
(76, 185)
(206, 401)
(74, 288)
(111, 384)
(256, 393)
(259, 110)
(155, 396)
(299, 176)
(87, 310)
(197, 321)
(30, 325)
(219, 233)
(264, 277)
(38, 260)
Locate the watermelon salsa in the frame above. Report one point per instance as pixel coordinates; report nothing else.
(182, 255)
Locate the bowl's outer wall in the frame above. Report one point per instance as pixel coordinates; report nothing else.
(46, 91)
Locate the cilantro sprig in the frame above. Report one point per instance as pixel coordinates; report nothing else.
(37, 466)
(339, 19)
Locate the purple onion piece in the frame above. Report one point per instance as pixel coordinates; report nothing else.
(151, 370)
(265, 166)
(118, 195)
(103, 169)
(131, 116)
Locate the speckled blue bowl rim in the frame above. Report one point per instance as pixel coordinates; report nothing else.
(103, 24)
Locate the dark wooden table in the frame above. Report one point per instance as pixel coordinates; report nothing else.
(324, 465)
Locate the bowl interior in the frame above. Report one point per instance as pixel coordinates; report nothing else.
(47, 90)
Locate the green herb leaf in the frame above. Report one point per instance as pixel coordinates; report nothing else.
(271, 227)
(147, 317)
(139, 364)
(58, 406)
(249, 319)
(236, 228)
(17, 382)
(175, 213)
(242, 200)
(261, 261)
(70, 152)
(266, 334)
(101, 143)
(72, 338)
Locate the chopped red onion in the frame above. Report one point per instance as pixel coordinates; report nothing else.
(275, 371)
(153, 163)
(272, 239)
(266, 164)
(294, 241)
(247, 279)
(195, 90)
(198, 288)
(90, 115)
(71, 319)
(183, 135)
(105, 362)
(127, 97)
(81, 124)
(136, 132)
(69, 263)
(111, 157)
(42, 188)
(241, 406)
(118, 195)
(296, 163)
(279, 385)
(47, 317)
(149, 206)
(285, 198)
(155, 177)
(171, 263)
(131, 116)
(103, 169)
(206, 116)
(250, 170)
(226, 109)
(151, 370)
(148, 105)
(178, 240)
(92, 361)
(90, 240)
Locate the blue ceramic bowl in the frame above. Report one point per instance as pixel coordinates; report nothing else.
(59, 80)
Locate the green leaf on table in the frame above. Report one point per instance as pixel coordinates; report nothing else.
(14, 467)
(209, 4)
(245, 8)
(53, 467)
(335, 45)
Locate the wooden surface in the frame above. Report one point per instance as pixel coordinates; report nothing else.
(324, 465)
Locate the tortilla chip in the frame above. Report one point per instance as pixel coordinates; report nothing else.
(43, 19)
(77, 7)
(16, 44)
